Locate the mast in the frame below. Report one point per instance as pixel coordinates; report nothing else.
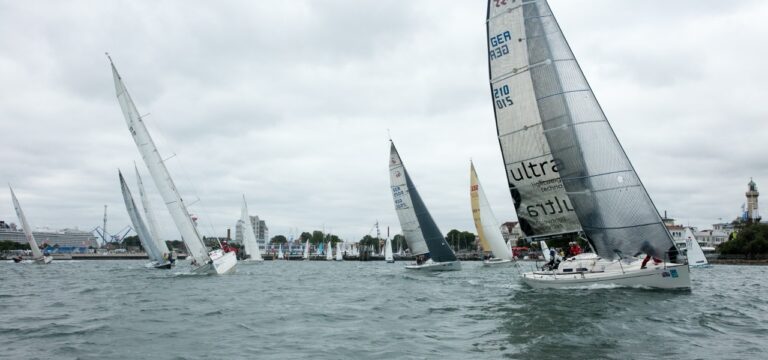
(36, 253)
(159, 172)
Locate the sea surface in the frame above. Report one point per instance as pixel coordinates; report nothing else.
(368, 310)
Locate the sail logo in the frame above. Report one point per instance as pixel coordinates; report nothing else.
(397, 174)
(549, 207)
(499, 46)
(473, 188)
(532, 170)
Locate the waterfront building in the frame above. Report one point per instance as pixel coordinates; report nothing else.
(259, 228)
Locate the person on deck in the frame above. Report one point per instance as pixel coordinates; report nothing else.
(650, 253)
(575, 248)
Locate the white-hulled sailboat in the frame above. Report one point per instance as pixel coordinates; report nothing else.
(280, 255)
(419, 229)
(339, 255)
(693, 250)
(388, 256)
(37, 256)
(329, 251)
(155, 254)
(487, 226)
(306, 250)
(566, 169)
(249, 235)
(203, 261)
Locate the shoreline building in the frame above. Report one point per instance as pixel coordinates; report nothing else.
(752, 214)
(259, 228)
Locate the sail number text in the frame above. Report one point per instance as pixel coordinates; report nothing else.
(499, 3)
(499, 46)
(501, 97)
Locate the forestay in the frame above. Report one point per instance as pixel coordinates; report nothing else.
(555, 137)
(159, 172)
(487, 226)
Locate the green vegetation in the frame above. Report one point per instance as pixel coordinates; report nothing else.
(461, 240)
(369, 240)
(397, 240)
(750, 240)
(278, 239)
(12, 245)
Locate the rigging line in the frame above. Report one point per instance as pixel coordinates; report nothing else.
(520, 70)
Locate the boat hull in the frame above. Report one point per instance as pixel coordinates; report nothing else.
(221, 264)
(496, 262)
(436, 266)
(671, 276)
(44, 260)
(164, 266)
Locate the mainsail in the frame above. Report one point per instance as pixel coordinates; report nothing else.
(487, 226)
(36, 253)
(249, 236)
(153, 252)
(388, 250)
(563, 159)
(150, 215)
(419, 229)
(159, 172)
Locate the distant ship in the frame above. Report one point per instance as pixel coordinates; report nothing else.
(68, 240)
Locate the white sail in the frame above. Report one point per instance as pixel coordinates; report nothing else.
(545, 251)
(306, 250)
(280, 254)
(249, 235)
(404, 205)
(339, 256)
(693, 250)
(487, 226)
(388, 257)
(150, 216)
(36, 253)
(223, 262)
(150, 246)
(329, 251)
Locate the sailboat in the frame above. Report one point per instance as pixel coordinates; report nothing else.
(693, 250)
(249, 236)
(156, 256)
(37, 256)
(388, 256)
(329, 252)
(339, 255)
(566, 170)
(487, 226)
(151, 222)
(421, 233)
(306, 250)
(280, 255)
(203, 261)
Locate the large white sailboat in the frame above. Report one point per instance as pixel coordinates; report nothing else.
(329, 251)
(156, 256)
(566, 169)
(203, 261)
(249, 236)
(487, 226)
(37, 256)
(419, 229)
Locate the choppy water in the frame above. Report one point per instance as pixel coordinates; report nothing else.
(353, 310)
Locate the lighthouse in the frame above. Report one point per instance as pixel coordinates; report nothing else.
(753, 215)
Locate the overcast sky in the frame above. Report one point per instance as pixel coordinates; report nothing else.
(289, 103)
